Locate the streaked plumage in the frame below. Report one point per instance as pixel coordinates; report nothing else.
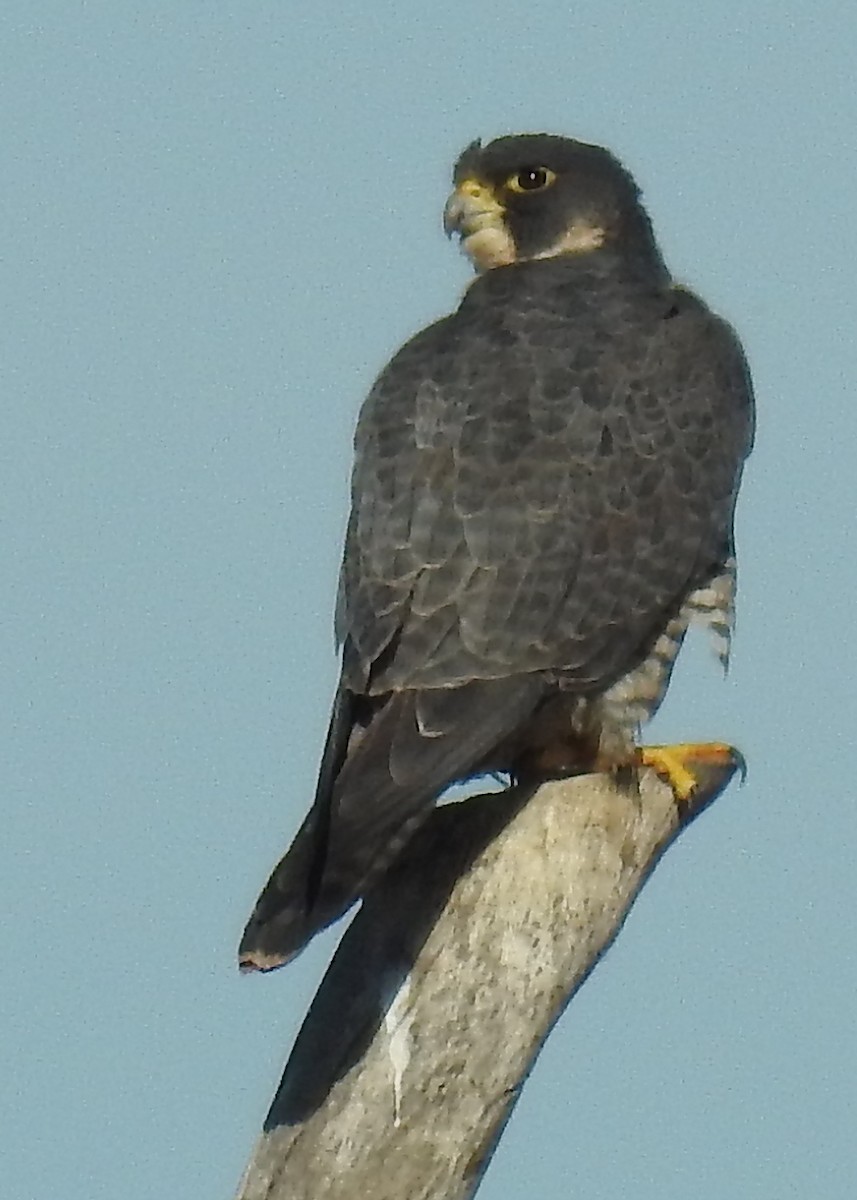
(542, 498)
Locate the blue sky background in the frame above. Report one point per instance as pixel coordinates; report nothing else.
(218, 221)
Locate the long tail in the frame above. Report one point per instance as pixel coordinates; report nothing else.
(372, 797)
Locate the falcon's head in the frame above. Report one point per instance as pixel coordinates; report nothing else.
(538, 196)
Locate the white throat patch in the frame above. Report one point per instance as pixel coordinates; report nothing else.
(490, 246)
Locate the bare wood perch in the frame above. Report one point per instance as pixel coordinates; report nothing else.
(444, 988)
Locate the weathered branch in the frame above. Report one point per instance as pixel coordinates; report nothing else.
(447, 983)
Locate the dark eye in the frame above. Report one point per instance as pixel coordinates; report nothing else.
(530, 179)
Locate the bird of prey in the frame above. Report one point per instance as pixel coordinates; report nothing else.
(542, 500)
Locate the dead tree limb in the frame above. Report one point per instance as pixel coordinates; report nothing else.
(448, 981)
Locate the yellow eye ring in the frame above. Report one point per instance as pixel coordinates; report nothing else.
(530, 179)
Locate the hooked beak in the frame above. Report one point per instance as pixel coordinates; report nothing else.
(478, 217)
(471, 208)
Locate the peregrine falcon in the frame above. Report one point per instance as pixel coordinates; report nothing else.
(542, 500)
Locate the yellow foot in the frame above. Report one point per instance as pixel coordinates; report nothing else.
(683, 765)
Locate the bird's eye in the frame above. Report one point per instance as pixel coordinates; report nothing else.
(530, 179)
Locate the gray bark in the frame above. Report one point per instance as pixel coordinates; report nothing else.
(447, 983)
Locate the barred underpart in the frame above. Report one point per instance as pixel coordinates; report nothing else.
(635, 698)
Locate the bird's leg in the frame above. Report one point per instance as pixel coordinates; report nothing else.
(685, 765)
